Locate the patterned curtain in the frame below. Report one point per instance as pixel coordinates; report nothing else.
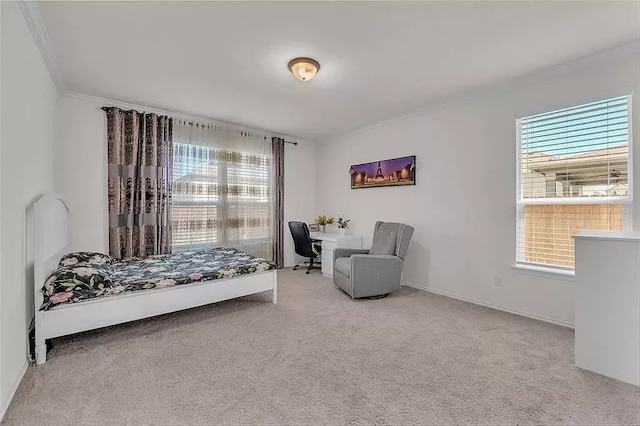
(277, 149)
(140, 156)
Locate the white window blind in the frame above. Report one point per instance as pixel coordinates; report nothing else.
(195, 196)
(222, 191)
(573, 174)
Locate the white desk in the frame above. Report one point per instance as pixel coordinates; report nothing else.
(332, 241)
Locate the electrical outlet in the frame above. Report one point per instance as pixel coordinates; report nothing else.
(497, 281)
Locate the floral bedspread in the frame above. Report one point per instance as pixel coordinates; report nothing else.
(78, 279)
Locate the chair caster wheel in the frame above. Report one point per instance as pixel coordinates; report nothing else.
(307, 272)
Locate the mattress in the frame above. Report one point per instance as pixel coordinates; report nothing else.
(76, 282)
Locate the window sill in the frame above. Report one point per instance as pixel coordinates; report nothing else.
(546, 272)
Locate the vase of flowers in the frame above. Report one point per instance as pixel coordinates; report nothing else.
(323, 221)
(343, 224)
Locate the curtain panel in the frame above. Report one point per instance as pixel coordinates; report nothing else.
(223, 189)
(140, 159)
(277, 151)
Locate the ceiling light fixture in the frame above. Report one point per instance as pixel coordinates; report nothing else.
(304, 69)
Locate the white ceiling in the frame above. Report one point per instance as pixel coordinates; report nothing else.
(228, 60)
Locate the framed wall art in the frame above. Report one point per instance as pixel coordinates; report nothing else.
(393, 172)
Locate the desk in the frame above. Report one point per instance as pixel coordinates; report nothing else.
(332, 241)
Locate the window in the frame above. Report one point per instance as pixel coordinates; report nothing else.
(573, 174)
(221, 192)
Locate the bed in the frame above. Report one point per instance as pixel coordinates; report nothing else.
(143, 288)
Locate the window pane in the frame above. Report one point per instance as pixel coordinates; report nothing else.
(549, 229)
(195, 195)
(220, 197)
(194, 224)
(577, 152)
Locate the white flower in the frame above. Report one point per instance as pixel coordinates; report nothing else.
(166, 283)
(114, 290)
(226, 273)
(262, 266)
(49, 285)
(85, 272)
(70, 261)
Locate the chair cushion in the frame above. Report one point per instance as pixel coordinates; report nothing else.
(343, 265)
(384, 240)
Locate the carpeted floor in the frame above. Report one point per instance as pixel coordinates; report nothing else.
(319, 357)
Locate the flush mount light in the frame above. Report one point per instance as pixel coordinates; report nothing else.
(304, 69)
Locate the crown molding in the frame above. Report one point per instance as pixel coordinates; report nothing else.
(35, 23)
(629, 48)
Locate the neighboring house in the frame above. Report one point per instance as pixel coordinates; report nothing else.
(583, 175)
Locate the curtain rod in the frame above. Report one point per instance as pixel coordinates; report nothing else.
(191, 123)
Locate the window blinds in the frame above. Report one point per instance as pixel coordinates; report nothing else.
(195, 196)
(573, 174)
(222, 189)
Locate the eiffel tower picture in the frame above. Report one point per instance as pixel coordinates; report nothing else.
(397, 171)
(379, 172)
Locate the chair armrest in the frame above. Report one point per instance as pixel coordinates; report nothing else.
(375, 274)
(367, 259)
(347, 252)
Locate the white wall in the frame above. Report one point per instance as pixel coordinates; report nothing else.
(81, 175)
(463, 206)
(29, 102)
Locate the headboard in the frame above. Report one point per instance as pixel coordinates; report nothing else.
(49, 239)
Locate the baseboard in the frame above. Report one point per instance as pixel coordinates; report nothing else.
(13, 391)
(488, 305)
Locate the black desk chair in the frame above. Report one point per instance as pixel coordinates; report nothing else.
(305, 246)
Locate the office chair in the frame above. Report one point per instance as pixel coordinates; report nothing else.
(304, 245)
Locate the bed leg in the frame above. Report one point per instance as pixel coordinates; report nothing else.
(41, 353)
(41, 345)
(275, 288)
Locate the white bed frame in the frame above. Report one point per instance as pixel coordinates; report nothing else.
(50, 241)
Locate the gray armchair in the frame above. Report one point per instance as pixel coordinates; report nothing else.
(377, 271)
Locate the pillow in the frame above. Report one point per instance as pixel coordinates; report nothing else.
(384, 240)
(85, 258)
(79, 279)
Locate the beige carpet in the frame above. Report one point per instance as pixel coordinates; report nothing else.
(320, 358)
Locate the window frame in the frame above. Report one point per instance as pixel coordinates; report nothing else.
(557, 271)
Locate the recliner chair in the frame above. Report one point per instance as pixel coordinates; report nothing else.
(304, 245)
(378, 271)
